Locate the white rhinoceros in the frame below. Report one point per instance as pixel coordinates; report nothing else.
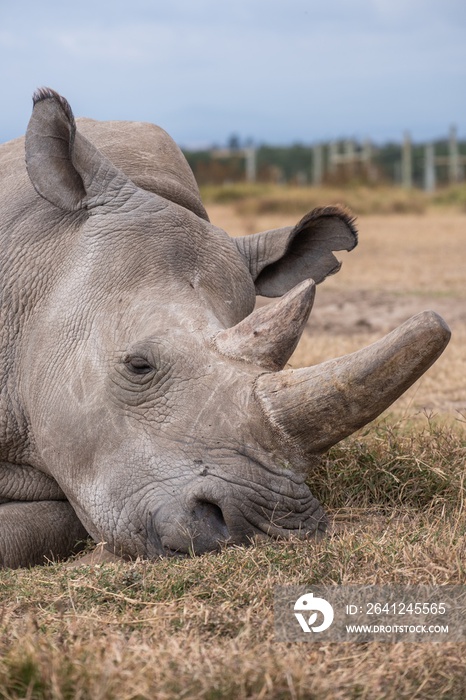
(143, 400)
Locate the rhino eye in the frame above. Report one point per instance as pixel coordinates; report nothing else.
(138, 365)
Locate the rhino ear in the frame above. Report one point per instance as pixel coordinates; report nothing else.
(280, 259)
(64, 167)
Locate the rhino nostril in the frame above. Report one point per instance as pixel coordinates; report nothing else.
(209, 518)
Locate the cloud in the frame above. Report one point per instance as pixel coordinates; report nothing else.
(273, 70)
(10, 41)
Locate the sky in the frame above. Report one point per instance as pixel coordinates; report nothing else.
(273, 71)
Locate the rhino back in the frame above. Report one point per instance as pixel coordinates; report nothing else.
(149, 157)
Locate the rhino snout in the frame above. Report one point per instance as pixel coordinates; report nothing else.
(198, 528)
(204, 522)
(209, 529)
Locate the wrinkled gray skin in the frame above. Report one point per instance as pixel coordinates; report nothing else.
(126, 411)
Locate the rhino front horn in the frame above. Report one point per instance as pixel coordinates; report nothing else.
(315, 407)
(269, 336)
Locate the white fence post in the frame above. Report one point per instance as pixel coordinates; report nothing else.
(406, 162)
(453, 160)
(367, 159)
(317, 165)
(429, 167)
(251, 164)
(349, 156)
(333, 156)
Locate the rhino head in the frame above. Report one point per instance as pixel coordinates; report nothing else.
(157, 397)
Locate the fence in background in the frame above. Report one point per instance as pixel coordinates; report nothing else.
(407, 164)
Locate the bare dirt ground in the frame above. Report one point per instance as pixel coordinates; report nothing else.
(404, 264)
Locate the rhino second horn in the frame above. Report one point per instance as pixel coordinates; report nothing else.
(269, 335)
(316, 407)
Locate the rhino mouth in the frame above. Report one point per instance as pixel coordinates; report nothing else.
(234, 513)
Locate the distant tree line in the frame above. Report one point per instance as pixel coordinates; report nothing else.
(295, 164)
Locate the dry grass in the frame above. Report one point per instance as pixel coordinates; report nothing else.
(251, 200)
(403, 264)
(413, 254)
(203, 627)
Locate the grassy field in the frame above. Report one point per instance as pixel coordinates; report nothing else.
(403, 264)
(203, 627)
